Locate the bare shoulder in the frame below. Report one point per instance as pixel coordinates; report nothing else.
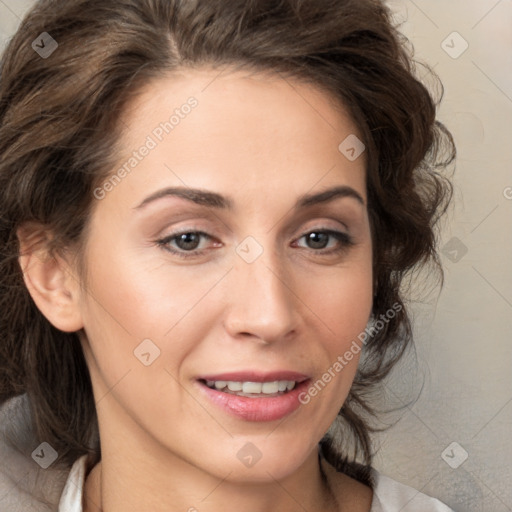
(350, 493)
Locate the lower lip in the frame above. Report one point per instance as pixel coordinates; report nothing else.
(256, 409)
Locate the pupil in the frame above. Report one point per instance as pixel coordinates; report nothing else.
(188, 241)
(318, 240)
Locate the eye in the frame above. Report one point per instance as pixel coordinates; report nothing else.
(184, 244)
(321, 239)
(188, 241)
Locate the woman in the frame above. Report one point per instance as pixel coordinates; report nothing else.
(207, 210)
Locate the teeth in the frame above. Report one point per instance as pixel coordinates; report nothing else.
(266, 388)
(235, 386)
(270, 387)
(251, 387)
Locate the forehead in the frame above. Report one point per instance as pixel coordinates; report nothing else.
(226, 93)
(245, 131)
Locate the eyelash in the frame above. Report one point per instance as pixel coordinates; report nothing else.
(345, 240)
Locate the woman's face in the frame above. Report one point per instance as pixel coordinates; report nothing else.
(258, 277)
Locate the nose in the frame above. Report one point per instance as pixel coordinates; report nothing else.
(262, 302)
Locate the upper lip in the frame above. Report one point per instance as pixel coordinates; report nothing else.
(256, 376)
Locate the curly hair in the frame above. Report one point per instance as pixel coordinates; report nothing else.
(59, 135)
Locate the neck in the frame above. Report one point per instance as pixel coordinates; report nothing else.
(127, 482)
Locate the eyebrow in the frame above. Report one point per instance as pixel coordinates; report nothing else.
(215, 200)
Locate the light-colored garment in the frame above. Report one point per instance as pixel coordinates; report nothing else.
(388, 495)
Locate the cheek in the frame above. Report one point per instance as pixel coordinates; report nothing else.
(343, 301)
(342, 305)
(127, 313)
(131, 300)
(343, 312)
(141, 298)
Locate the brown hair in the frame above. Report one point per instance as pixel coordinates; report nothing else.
(59, 134)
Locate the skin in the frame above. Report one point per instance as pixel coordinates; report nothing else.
(263, 141)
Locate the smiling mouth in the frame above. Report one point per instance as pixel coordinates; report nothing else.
(252, 389)
(255, 396)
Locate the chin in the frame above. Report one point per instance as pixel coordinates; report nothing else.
(263, 460)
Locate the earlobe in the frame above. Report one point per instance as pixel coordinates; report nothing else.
(49, 280)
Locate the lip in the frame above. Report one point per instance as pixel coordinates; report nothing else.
(255, 376)
(257, 409)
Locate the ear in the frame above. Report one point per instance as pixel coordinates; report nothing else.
(49, 278)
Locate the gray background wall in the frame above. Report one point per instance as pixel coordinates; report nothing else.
(455, 442)
(464, 336)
